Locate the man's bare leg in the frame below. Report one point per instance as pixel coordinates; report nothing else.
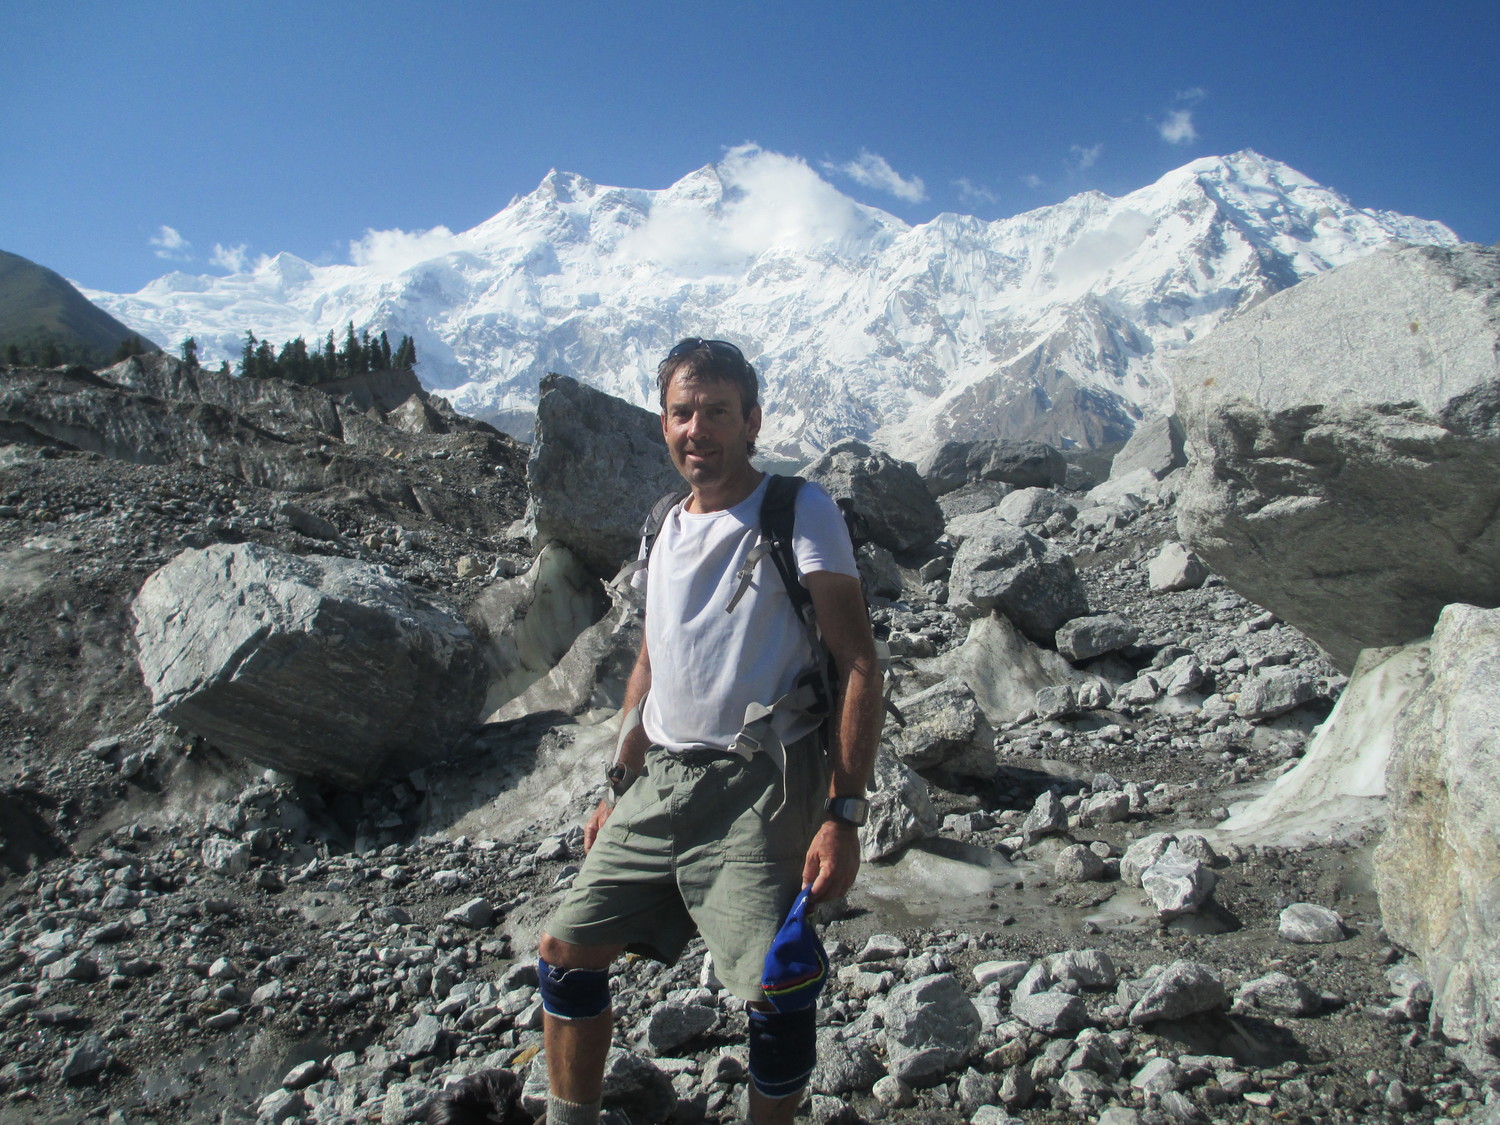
(577, 1049)
(773, 1111)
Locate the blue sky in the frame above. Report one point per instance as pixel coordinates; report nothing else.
(146, 137)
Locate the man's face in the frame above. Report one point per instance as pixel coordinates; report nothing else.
(707, 432)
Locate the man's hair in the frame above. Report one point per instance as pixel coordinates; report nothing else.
(713, 364)
(710, 361)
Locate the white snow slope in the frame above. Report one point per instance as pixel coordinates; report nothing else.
(1046, 325)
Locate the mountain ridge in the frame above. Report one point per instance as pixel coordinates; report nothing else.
(1049, 324)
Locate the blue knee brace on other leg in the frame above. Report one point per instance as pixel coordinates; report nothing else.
(783, 1050)
(573, 994)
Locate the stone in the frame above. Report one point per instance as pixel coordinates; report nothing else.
(280, 1106)
(637, 1087)
(1280, 994)
(597, 465)
(1145, 852)
(1033, 507)
(1178, 884)
(1076, 864)
(1345, 446)
(1157, 445)
(1184, 988)
(1437, 869)
(1050, 1012)
(1031, 581)
(1047, 816)
(1084, 638)
(670, 1025)
(1157, 1076)
(88, 1057)
(1274, 691)
(227, 857)
(1021, 464)
(931, 1028)
(1174, 567)
(886, 497)
(901, 809)
(1003, 974)
(1087, 968)
(845, 1065)
(1003, 669)
(476, 914)
(944, 726)
(424, 1037)
(404, 1102)
(319, 666)
(1306, 923)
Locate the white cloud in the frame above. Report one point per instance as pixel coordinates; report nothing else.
(232, 258)
(874, 171)
(1192, 94)
(1178, 128)
(1098, 250)
(1032, 180)
(170, 244)
(970, 192)
(397, 249)
(1086, 157)
(769, 201)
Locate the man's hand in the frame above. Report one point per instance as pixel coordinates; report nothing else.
(595, 823)
(832, 861)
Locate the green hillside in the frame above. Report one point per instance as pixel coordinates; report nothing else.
(45, 321)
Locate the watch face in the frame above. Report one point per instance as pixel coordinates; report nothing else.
(852, 809)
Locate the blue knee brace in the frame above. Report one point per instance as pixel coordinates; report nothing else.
(573, 994)
(783, 1050)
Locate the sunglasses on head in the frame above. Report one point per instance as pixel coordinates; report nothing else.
(714, 347)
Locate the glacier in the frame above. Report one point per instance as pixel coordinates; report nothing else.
(1050, 324)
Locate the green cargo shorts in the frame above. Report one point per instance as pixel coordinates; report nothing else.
(700, 843)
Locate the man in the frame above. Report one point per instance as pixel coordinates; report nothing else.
(703, 837)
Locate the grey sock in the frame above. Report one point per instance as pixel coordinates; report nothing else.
(560, 1112)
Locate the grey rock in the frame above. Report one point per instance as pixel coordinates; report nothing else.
(280, 1106)
(1307, 923)
(1344, 416)
(1142, 854)
(1084, 638)
(637, 1087)
(1004, 974)
(597, 465)
(944, 726)
(1158, 446)
(314, 665)
(228, 857)
(1050, 1012)
(844, 1065)
(476, 914)
(424, 1037)
(931, 1028)
(1174, 567)
(669, 1025)
(1278, 993)
(88, 1057)
(885, 496)
(1087, 968)
(1031, 581)
(1033, 507)
(404, 1102)
(1047, 816)
(1095, 1051)
(1021, 464)
(1275, 691)
(1184, 988)
(1076, 864)
(1438, 865)
(1178, 884)
(1157, 1076)
(901, 809)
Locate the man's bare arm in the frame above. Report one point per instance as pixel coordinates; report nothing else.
(833, 857)
(632, 749)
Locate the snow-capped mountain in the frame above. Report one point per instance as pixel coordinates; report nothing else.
(1049, 324)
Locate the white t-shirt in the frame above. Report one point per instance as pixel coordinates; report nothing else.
(708, 665)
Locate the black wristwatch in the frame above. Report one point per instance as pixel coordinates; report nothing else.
(619, 778)
(849, 810)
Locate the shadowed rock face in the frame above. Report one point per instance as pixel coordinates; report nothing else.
(1346, 447)
(318, 666)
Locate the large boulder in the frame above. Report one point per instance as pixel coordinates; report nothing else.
(1021, 464)
(1158, 446)
(1003, 669)
(888, 500)
(1345, 441)
(1031, 581)
(324, 667)
(1438, 868)
(596, 467)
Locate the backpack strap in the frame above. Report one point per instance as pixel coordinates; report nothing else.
(649, 531)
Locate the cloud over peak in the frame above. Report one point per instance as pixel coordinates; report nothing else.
(171, 245)
(873, 171)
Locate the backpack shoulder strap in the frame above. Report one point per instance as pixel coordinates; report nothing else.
(778, 517)
(649, 530)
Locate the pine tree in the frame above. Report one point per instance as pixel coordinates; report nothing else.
(190, 354)
(247, 356)
(385, 351)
